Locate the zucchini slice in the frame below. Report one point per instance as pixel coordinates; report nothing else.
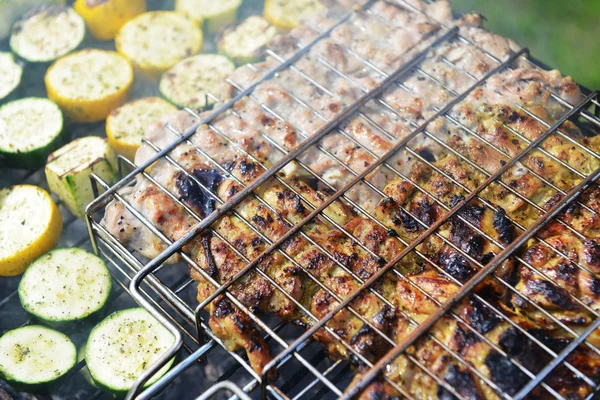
(11, 73)
(245, 44)
(68, 171)
(65, 285)
(125, 126)
(104, 18)
(30, 226)
(188, 82)
(33, 357)
(47, 33)
(11, 9)
(287, 14)
(30, 129)
(123, 346)
(213, 15)
(89, 84)
(155, 41)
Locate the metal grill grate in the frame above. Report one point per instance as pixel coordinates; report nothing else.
(293, 348)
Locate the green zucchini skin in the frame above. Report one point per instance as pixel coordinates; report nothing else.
(35, 157)
(41, 386)
(85, 266)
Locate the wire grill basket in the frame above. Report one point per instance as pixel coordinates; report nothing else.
(304, 369)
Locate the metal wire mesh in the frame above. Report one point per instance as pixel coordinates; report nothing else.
(306, 68)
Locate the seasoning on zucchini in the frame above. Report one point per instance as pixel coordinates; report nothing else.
(187, 83)
(89, 84)
(10, 74)
(11, 9)
(245, 43)
(65, 285)
(286, 14)
(31, 225)
(155, 41)
(30, 129)
(104, 18)
(68, 171)
(125, 126)
(33, 357)
(123, 346)
(212, 15)
(47, 33)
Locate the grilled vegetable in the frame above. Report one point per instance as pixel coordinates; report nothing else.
(245, 43)
(31, 225)
(65, 285)
(11, 9)
(157, 40)
(188, 82)
(125, 345)
(104, 18)
(47, 33)
(213, 15)
(126, 125)
(35, 356)
(30, 129)
(69, 168)
(10, 75)
(286, 14)
(89, 84)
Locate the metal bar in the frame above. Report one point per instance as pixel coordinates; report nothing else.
(556, 361)
(224, 386)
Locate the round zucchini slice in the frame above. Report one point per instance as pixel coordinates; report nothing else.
(65, 285)
(11, 73)
(213, 15)
(34, 357)
(30, 129)
(155, 41)
(104, 18)
(286, 14)
(125, 126)
(188, 82)
(31, 225)
(246, 43)
(11, 9)
(89, 84)
(123, 346)
(47, 33)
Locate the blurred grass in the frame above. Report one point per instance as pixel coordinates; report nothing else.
(565, 34)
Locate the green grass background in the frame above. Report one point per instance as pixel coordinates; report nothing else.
(564, 34)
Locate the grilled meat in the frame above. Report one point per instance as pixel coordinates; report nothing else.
(317, 268)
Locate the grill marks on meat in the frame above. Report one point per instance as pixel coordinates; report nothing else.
(406, 212)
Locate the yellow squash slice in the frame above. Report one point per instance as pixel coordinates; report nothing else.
(125, 126)
(30, 225)
(104, 18)
(286, 14)
(89, 84)
(155, 41)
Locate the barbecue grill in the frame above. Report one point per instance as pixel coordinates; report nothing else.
(168, 292)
